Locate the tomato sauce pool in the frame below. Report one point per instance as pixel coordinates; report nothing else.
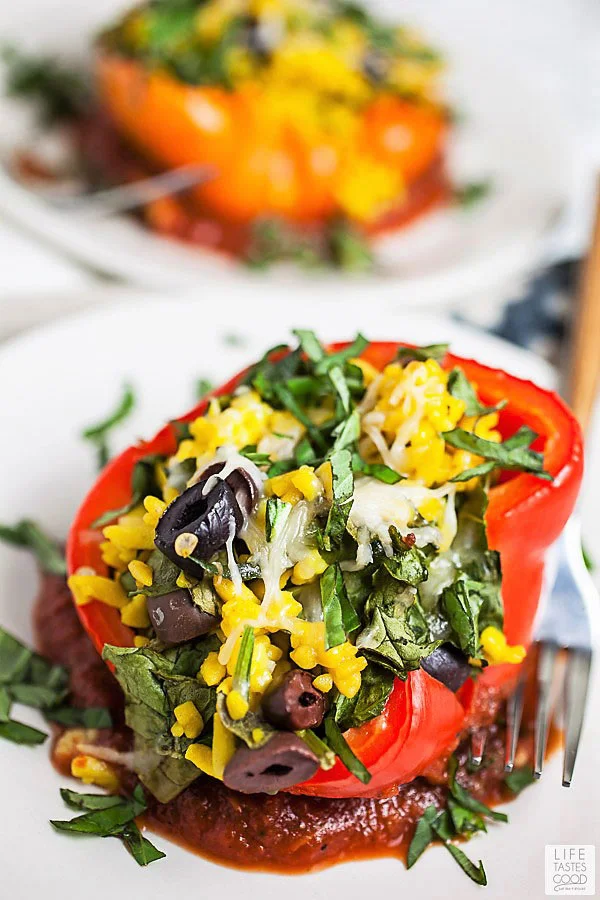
(281, 833)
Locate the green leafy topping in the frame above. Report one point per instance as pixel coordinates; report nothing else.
(519, 778)
(423, 836)
(340, 357)
(376, 470)
(513, 454)
(277, 514)
(259, 459)
(443, 829)
(343, 490)
(203, 387)
(110, 816)
(241, 676)
(98, 434)
(340, 747)
(349, 249)
(58, 91)
(469, 195)
(71, 716)
(346, 434)
(19, 733)
(143, 482)
(461, 388)
(338, 613)
(421, 354)
(466, 800)
(154, 684)
(587, 559)
(318, 747)
(393, 643)
(253, 729)
(29, 535)
(375, 688)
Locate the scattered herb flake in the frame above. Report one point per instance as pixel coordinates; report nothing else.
(98, 434)
(29, 535)
(340, 747)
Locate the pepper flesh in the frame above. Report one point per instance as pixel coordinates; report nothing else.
(422, 719)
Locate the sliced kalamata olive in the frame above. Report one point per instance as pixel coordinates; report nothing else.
(285, 760)
(449, 665)
(242, 484)
(176, 618)
(209, 518)
(295, 704)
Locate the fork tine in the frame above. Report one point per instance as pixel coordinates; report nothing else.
(545, 672)
(577, 677)
(478, 740)
(514, 713)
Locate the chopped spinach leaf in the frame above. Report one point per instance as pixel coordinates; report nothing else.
(375, 688)
(29, 535)
(391, 642)
(340, 747)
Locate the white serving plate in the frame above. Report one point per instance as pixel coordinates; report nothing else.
(66, 375)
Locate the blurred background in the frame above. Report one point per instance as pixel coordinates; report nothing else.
(504, 96)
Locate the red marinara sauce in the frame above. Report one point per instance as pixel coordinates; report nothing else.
(282, 833)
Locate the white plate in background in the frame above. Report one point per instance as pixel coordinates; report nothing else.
(66, 375)
(511, 132)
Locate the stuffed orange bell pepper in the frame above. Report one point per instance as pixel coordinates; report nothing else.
(309, 581)
(306, 112)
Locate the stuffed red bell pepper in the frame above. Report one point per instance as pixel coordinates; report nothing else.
(309, 582)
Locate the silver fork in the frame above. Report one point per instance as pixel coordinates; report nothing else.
(563, 631)
(97, 204)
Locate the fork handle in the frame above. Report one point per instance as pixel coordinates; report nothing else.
(584, 369)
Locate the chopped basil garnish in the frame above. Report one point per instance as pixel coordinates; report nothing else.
(343, 490)
(203, 387)
(375, 688)
(462, 796)
(143, 482)
(443, 829)
(376, 470)
(461, 388)
(98, 434)
(318, 747)
(421, 354)
(277, 514)
(110, 816)
(28, 678)
(243, 665)
(340, 747)
(514, 454)
(19, 733)
(29, 535)
(423, 836)
(472, 193)
(519, 778)
(338, 613)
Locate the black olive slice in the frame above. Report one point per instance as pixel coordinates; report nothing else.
(242, 484)
(449, 665)
(176, 618)
(285, 760)
(295, 704)
(209, 518)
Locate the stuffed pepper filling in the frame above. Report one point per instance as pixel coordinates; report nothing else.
(299, 587)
